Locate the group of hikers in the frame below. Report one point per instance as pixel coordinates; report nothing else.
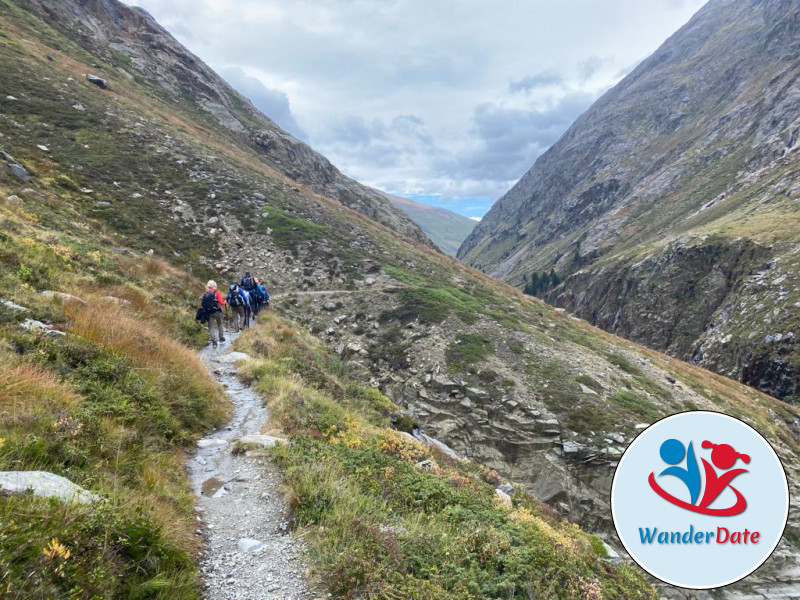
(245, 300)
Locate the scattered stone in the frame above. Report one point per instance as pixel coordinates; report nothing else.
(588, 390)
(32, 326)
(265, 441)
(503, 499)
(426, 465)
(232, 357)
(34, 193)
(617, 437)
(44, 484)
(43, 148)
(79, 106)
(98, 81)
(102, 204)
(641, 426)
(612, 555)
(670, 378)
(13, 305)
(506, 488)
(116, 300)
(570, 448)
(259, 196)
(18, 171)
(10, 97)
(13, 200)
(369, 281)
(329, 306)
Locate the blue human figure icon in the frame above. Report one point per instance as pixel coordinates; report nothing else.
(672, 453)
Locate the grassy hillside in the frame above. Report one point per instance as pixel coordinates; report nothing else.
(445, 228)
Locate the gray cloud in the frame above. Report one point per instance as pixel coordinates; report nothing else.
(543, 79)
(452, 100)
(273, 103)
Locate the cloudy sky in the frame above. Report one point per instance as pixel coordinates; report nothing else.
(448, 102)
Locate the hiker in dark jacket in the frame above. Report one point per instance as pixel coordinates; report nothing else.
(239, 302)
(212, 303)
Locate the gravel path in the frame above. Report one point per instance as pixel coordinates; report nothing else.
(249, 554)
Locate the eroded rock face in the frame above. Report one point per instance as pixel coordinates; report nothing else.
(664, 200)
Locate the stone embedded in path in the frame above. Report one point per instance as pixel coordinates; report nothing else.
(232, 357)
(211, 443)
(44, 484)
(265, 441)
(249, 545)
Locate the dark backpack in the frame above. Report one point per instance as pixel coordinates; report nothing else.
(235, 299)
(248, 283)
(210, 304)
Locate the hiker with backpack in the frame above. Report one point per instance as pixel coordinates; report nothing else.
(211, 312)
(239, 302)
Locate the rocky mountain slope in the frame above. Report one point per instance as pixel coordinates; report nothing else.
(133, 45)
(92, 177)
(671, 207)
(445, 228)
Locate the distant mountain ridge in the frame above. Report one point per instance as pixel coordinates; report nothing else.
(671, 208)
(445, 228)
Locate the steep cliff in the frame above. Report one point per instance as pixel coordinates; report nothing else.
(673, 195)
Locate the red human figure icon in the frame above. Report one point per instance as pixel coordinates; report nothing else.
(724, 457)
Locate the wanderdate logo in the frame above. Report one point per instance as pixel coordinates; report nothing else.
(723, 457)
(700, 500)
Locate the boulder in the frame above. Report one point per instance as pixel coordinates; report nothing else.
(18, 171)
(97, 80)
(503, 499)
(62, 296)
(44, 484)
(13, 305)
(506, 488)
(259, 196)
(369, 281)
(426, 465)
(330, 306)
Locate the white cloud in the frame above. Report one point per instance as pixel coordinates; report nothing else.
(450, 98)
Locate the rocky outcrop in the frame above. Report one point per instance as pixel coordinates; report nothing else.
(137, 46)
(662, 199)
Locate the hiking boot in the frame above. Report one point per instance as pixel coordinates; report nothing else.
(214, 344)
(222, 339)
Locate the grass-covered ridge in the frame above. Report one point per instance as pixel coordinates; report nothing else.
(379, 524)
(112, 405)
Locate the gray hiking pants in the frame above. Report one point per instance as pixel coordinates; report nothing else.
(238, 317)
(215, 326)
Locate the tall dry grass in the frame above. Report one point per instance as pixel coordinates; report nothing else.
(26, 389)
(177, 370)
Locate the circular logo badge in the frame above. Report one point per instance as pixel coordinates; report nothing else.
(700, 500)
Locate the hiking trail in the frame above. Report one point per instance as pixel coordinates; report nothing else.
(249, 554)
